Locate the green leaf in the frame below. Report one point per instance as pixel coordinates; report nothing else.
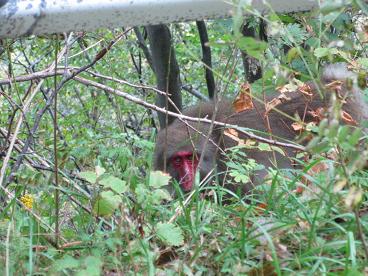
(264, 147)
(158, 179)
(239, 177)
(106, 203)
(170, 234)
(278, 149)
(141, 192)
(93, 265)
(313, 42)
(343, 133)
(89, 176)
(362, 5)
(292, 54)
(253, 47)
(320, 147)
(159, 195)
(117, 185)
(323, 52)
(294, 34)
(66, 262)
(363, 62)
(99, 171)
(355, 136)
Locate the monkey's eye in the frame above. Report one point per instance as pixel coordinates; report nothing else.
(177, 161)
(189, 158)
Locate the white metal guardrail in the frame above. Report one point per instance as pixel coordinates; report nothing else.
(25, 17)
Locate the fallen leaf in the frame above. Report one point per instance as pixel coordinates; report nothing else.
(244, 100)
(304, 225)
(260, 208)
(317, 168)
(297, 126)
(166, 256)
(275, 102)
(232, 131)
(299, 189)
(334, 86)
(306, 90)
(234, 135)
(318, 114)
(347, 118)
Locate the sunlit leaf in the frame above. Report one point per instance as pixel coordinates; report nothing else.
(170, 234)
(254, 48)
(89, 176)
(106, 203)
(159, 195)
(99, 171)
(66, 262)
(158, 179)
(114, 183)
(323, 52)
(93, 266)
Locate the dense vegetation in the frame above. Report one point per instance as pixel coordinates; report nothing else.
(106, 212)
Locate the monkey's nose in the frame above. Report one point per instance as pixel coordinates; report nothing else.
(186, 183)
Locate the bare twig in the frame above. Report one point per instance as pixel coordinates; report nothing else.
(45, 165)
(21, 118)
(55, 151)
(194, 92)
(141, 102)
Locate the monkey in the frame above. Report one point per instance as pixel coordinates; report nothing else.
(185, 147)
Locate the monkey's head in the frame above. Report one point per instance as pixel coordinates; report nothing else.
(181, 150)
(184, 148)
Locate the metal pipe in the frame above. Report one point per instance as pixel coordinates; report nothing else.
(25, 17)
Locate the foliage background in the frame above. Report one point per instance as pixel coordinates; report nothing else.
(114, 217)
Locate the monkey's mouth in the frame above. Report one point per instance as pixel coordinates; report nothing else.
(186, 183)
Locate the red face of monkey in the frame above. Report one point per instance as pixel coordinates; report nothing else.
(179, 151)
(185, 163)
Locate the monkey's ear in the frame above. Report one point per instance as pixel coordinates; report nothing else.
(158, 155)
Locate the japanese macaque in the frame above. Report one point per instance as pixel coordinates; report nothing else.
(187, 146)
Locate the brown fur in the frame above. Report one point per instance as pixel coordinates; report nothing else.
(180, 137)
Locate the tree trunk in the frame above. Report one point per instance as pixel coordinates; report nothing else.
(166, 69)
(252, 67)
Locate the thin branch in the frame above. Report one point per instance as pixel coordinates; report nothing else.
(55, 150)
(184, 117)
(194, 92)
(151, 106)
(66, 78)
(45, 165)
(20, 120)
(143, 46)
